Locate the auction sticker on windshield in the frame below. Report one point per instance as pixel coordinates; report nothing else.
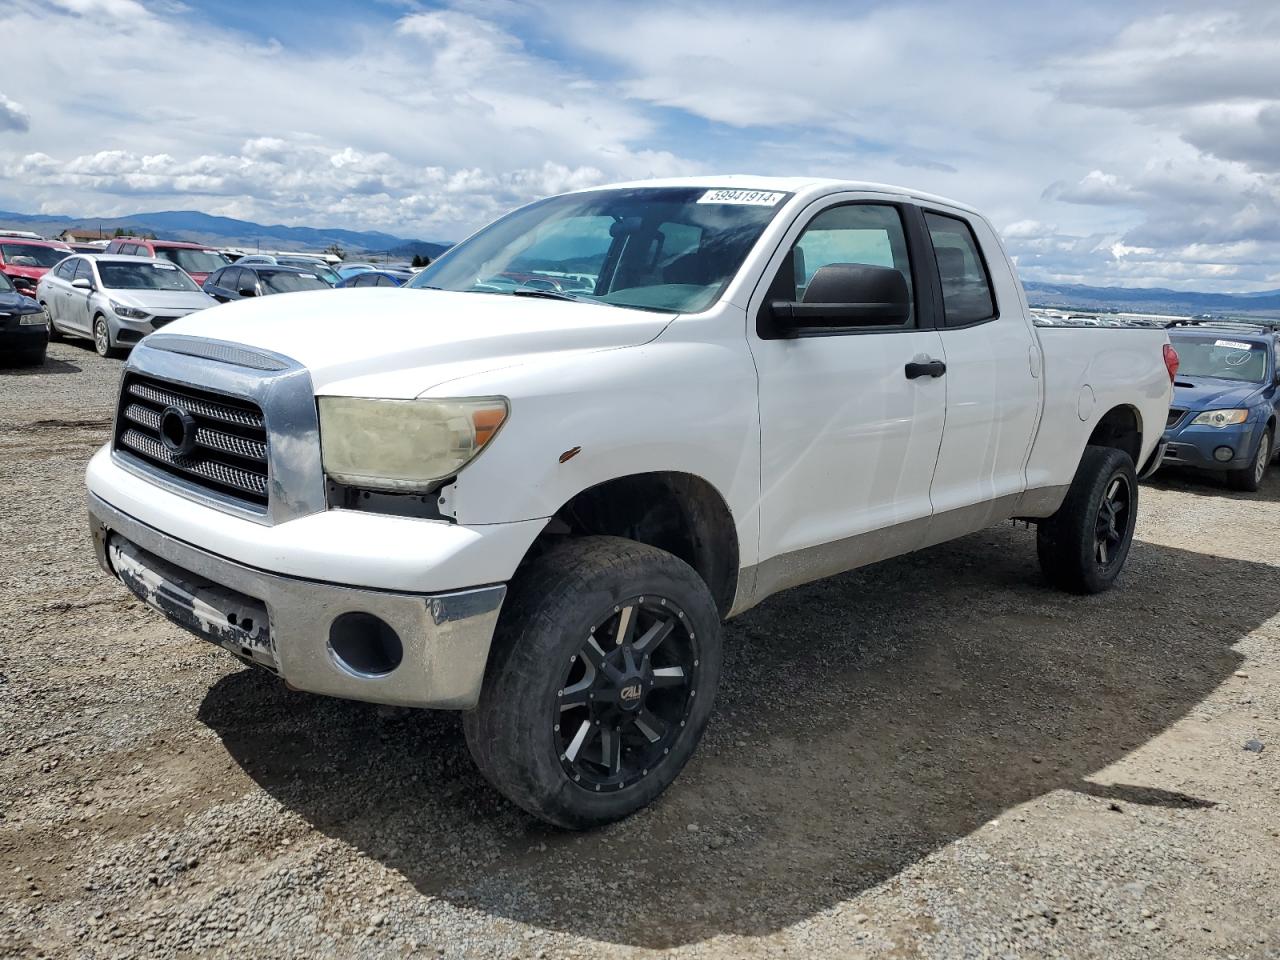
(751, 198)
(1233, 344)
(163, 266)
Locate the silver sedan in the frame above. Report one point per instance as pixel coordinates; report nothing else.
(116, 300)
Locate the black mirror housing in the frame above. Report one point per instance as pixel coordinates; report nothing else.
(848, 295)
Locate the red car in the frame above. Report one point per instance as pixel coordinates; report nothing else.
(196, 259)
(26, 261)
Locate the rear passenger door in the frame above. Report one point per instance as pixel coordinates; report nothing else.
(993, 381)
(849, 433)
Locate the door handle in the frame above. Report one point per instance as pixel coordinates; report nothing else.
(931, 368)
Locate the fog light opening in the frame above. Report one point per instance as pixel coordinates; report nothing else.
(365, 645)
(1223, 454)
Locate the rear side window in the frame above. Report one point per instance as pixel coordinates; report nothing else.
(966, 285)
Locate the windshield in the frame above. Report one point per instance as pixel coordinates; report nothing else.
(30, 255)
(279, 281)
(653, 248)
(193, 261)
(143, 276)
(1223, 357)
(323, 272)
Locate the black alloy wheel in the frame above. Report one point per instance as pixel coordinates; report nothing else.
(626, 694)
(1113, 520)
(600, 681)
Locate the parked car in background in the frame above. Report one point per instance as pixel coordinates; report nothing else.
(197, 259)
(313, 264)
(1226, 399)
(24, 326)
(345, 270)
(26, 261)
(21, 234)
(87, 247)
(377, 278)
(539, 511)
(240, 280)
(116, 300)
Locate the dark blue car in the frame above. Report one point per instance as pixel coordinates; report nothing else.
(1226, 399)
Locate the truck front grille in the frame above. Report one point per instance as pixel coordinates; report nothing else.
(227, 448)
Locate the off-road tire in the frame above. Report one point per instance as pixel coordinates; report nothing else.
(1067, 542)
(1250, 478)
(548, 613)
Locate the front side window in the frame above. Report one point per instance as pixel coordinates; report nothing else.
(158, 275)
(672, 249)
(966, 287)
(1221, 357)
(851, 235)
(83, 271)
(66, 269)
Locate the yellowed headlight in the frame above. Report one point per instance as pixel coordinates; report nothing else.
(404, 445)
(1221, 418)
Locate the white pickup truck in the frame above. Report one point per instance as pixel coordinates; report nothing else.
(532, 484)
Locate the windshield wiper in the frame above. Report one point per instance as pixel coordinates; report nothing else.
(549, 295)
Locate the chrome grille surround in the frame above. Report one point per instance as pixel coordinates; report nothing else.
(257, 433)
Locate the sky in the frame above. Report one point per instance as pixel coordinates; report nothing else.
(1133, 144)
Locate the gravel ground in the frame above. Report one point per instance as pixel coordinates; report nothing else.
(935, 757)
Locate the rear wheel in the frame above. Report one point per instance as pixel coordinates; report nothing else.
(601, 681)
(1250, 478)
(1083, 546)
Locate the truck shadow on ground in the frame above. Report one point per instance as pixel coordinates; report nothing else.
(863, 723)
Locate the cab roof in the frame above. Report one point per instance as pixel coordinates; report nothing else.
(807, 186)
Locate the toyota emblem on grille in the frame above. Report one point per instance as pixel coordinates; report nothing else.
(178, 431)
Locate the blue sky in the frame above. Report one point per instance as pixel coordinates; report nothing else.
(1134, 144)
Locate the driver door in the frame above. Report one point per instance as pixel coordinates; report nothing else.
(849, 431)
(77, 302)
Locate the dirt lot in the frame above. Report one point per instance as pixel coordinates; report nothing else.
(936, 757)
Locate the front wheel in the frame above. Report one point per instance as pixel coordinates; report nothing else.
(1083, 546)
(1251, 477)
(102, 338)
(601, 680)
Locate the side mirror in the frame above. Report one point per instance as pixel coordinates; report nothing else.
(22, 283)
(848, 295)
(247, 292)
(80, 283)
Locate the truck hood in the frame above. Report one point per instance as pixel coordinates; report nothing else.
(1209, 393)
(398, 342)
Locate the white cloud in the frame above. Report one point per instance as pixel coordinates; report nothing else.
(13, 116)
(1119, 144)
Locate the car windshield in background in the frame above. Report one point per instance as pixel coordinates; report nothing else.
(1222, 357)
(23, 255)
(656, 248)
(143, 276)
(281, 281)
(193, 261)
(324, 273)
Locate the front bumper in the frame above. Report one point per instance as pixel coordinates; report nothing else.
(1194, 446)
(287, 624)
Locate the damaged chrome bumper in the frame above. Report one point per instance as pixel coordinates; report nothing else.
(426, 650)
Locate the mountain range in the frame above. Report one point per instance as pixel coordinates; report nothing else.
(226, 232)
(1076, 296)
